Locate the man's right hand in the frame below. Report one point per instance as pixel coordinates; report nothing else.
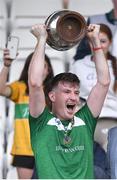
(39, 31)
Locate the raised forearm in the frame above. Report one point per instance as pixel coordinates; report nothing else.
(38, 60)
(101, 65)
(37, 64)
(99, 91)
(100, 61)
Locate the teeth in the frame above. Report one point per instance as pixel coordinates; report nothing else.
(70, 106)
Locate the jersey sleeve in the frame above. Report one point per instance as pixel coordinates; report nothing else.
(14, 91)
(37, 123)
(85, 114)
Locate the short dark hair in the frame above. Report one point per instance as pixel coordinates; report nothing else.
(65, 77)
(62, 77)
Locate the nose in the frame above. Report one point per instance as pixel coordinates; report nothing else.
(73, 96)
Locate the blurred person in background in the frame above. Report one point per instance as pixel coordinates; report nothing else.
(18, 92)
(100, 162)
(112, 152)
(86, 71)
(110, 19)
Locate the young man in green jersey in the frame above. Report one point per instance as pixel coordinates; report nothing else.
(62, 139)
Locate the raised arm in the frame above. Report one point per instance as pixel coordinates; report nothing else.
(98, 93)
(36, 68)
(4, 89)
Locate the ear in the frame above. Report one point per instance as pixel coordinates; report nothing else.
(52, 96)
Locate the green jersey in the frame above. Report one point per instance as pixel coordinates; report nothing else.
(60, 158)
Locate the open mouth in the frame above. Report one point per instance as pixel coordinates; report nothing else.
(71, 107)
